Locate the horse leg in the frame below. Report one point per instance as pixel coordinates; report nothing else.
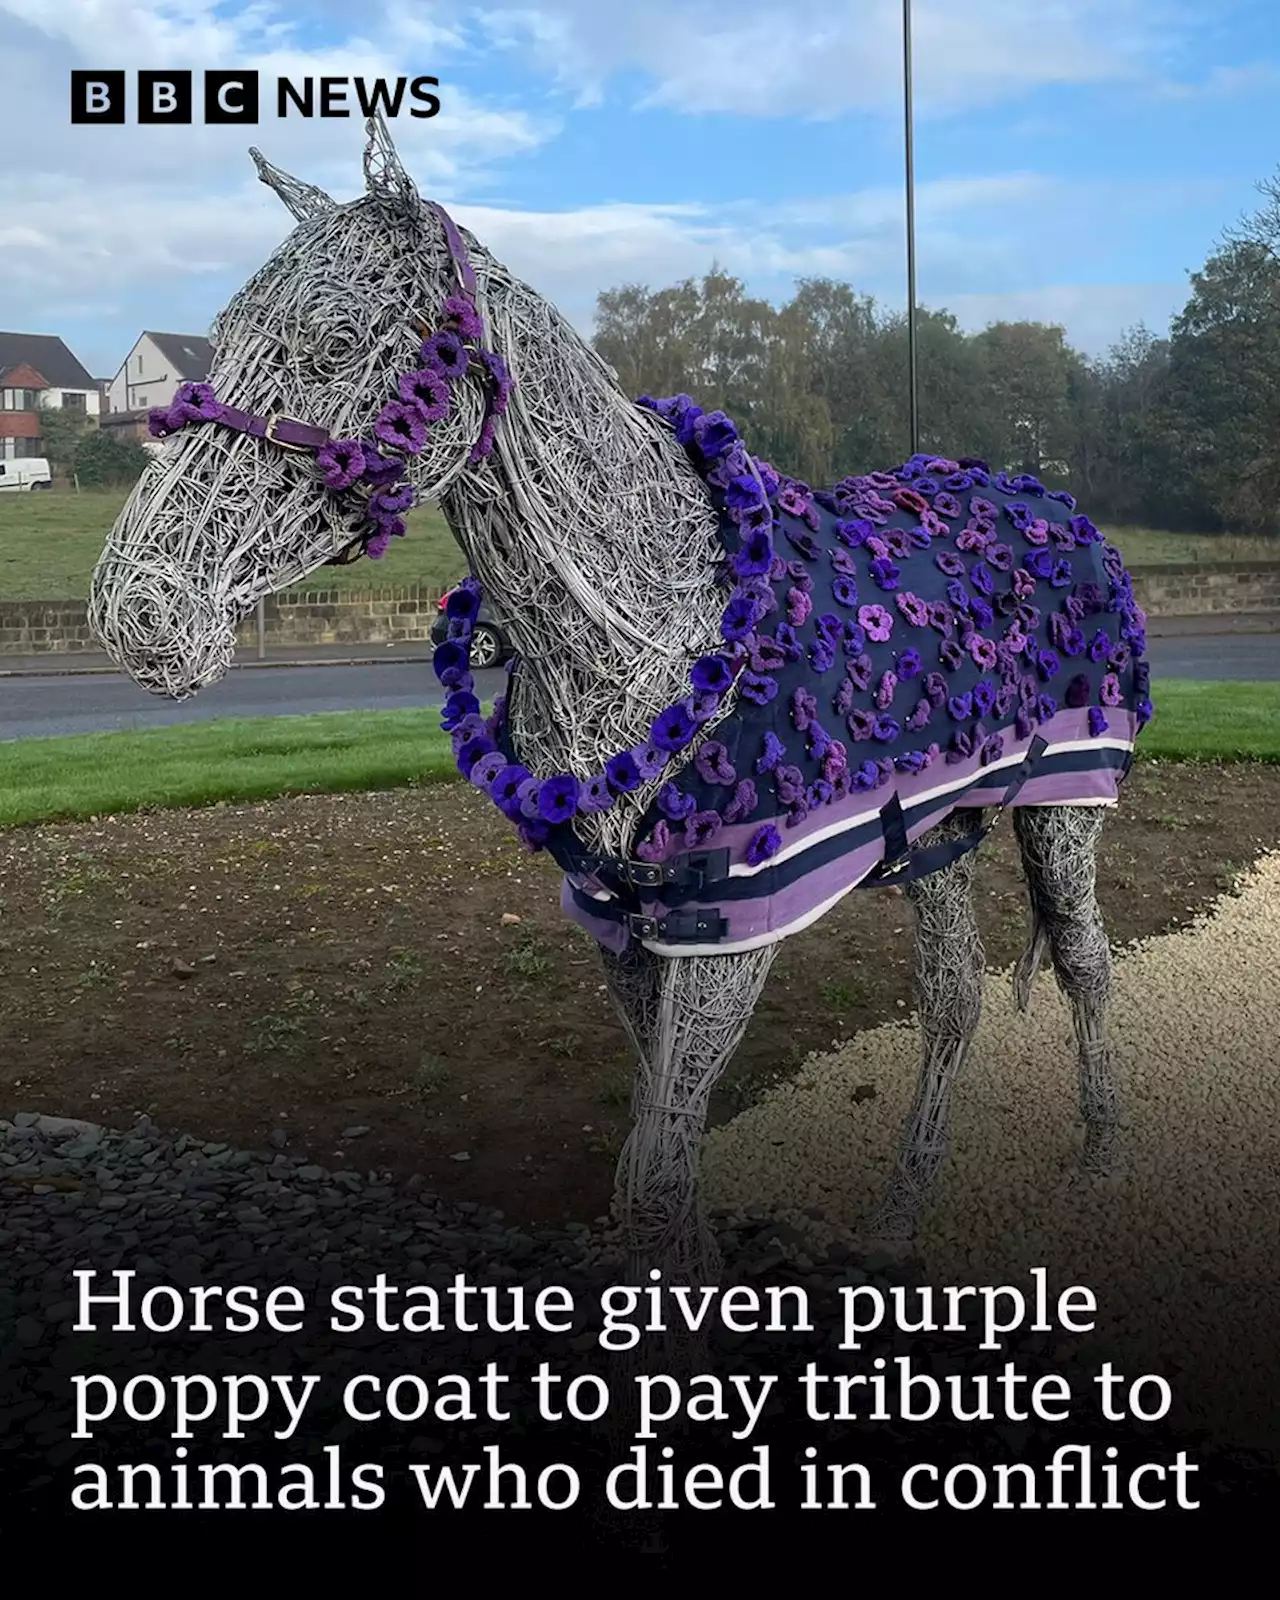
(685, 1017)
(1059, 845)
(949, 972)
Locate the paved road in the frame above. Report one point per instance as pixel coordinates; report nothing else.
(40, 707)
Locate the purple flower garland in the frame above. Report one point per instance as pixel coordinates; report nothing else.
(424, 397)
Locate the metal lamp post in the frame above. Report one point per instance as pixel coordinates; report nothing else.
(911, 228)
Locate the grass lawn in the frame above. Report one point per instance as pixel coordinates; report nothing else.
(49, 544)
(231, 759)
(239, 760)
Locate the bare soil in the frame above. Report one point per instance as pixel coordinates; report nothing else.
(388, 982)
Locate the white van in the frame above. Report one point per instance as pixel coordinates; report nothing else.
(29, 472)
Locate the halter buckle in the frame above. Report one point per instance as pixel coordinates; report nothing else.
(268, 432)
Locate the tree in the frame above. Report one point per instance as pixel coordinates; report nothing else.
(61, 431)
(103, 461)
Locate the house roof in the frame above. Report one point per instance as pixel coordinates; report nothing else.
(48, 355)
(189, 354)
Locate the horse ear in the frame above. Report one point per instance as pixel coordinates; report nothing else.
(384, 176)
(304, 200)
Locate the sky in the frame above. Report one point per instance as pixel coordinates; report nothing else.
(1074, 159)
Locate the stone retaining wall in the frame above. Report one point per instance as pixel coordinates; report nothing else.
(387, 616)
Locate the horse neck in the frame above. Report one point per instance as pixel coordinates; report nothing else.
(596, 545)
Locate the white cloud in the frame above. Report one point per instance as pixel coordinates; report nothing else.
(1094, 314)
(810, 57)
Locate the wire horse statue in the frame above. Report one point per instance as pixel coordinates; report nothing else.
(689, 625)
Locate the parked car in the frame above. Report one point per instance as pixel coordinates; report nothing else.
(29, 472)
(490, 646)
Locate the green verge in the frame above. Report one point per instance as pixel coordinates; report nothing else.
(243, 760)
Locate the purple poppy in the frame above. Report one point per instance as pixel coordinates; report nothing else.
(822, 656)
(984, 697)
(701, 829)
(909, 665)
(1047, 664)
(951, 655)
(674, 804)
(558, 798)
(973, 538)
(799, 605)
(854, 531)
(845, 592)
(935, 687)
(861, 724)
(913, 609)
(1060, 575)
(673, 728)
(1072, 642)
(960, 749)
(981, 579)
(992, 749)
(982, 613)
(655, 847)
(960, 707)
(793, 499)
(711, 675)
(763, 843)
(946, 561)
(387, 504)
(713, 763)
(463, 315)
(859, 671)
(767, 655)
(886, 729)
(484, 770)
(713, 433)
(1097, 721)
(1000, 556)
(1118, 659)
(740, 616)
(444, 353)
(788, 641)
(920, 716)
(758, 688)
(1099, 645)
(1079, 691)
(885, 574)
(428, 391)
(1110, 693)
(885, 690)
(402, 427)
(877, 621)
(843, 698)
(504, 790)
(957, 595)
(623, 773)
(843, 562)
(855, 637)
(1019, 514)
(743, 803)
(341, 461)
(1084, 530)
(1046, 708)
(755, 556)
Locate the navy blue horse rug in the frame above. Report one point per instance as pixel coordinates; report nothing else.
(904, 645)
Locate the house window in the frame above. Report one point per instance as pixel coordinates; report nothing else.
(72, 401)
(30, 399)
(27, 448)
(139, 363)
(141, 399)
(10, 399)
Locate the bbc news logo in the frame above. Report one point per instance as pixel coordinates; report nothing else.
(169, 97)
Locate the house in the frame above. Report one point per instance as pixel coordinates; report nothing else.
(155, 367)
(37, 371)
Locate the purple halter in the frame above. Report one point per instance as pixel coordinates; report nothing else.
(424, 397)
